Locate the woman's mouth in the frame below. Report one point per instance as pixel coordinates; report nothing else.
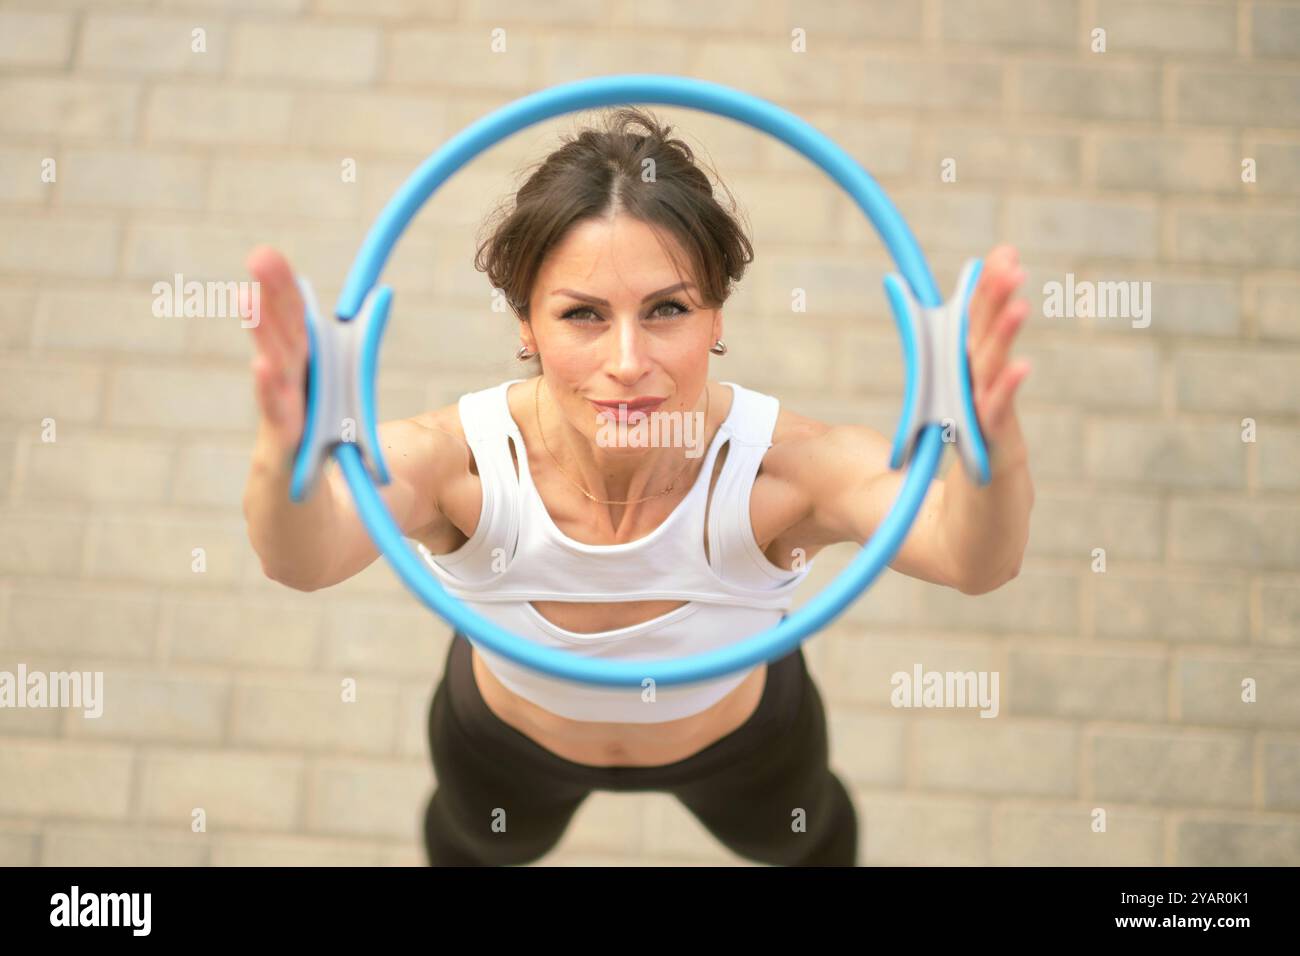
(624, 410)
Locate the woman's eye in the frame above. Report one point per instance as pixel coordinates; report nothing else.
(585, 314)
(673, 303)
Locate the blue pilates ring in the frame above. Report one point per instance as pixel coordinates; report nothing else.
(937, 404)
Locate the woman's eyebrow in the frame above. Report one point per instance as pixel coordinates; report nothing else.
(605, 302)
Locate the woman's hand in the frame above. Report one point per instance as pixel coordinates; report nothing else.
(280, 339)
(995, 318)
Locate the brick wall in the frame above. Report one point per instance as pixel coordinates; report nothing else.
(1121, 688)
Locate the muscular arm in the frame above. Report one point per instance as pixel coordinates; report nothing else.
(971, 539)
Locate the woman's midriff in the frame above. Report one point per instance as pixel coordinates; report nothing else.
(601, 744)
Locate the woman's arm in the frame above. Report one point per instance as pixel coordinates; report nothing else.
(321, 541)
(965, 536)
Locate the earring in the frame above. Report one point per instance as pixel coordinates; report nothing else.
(523, 354)
(718, 348)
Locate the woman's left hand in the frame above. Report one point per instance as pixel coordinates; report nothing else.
(994, 319)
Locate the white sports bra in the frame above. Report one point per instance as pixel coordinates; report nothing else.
(517, 555)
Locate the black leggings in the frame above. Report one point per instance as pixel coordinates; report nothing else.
(765, 790)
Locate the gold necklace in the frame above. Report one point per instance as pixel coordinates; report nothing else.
(537, 411)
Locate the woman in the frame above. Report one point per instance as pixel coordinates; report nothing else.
(534, 503)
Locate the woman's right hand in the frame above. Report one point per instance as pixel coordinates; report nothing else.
(281, 350)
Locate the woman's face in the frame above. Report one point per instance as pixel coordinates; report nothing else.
(611, 320)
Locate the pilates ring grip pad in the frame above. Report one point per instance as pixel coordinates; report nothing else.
(340, 413)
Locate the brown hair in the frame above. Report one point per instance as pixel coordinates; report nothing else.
(598, 173)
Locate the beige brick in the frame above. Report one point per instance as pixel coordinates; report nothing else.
(203, 399)
(1179, 305)
(219, 116)
(369, 798)
(884, 146)
(1072, 524)
(1177, 768)
(160, 550)
(1280, 614)
(79, 619)
(304, 713)
(961, 221)
(1203, 28)
(142, 706)
(559, 59)
(31, 391)
(832, 286)
(997, 756)
(1274, 30)
(58, 779)
(1264, 238)
(1053, 436)
(98, 469)
(246, 634)
(1113, 91)
(269, 849)
(723, 17)
(947, 84)
(1279, 459)
(632, 824)
(444, 10)
(8, 456)
(1052, 682)
(766, 352)
(1051, 23)
(1162, 607)
(1245, 382)
(29, 38)
(210, 475)
(1281, 761)
(413, 705)
(768, 201)
(236, 790)
(916, 829)
(460, 57)
(261, 7)
(1175, 454)
(1276, 316)
(30, 723)
(315, 53)
(1236, 841)
(371, 638)
(1034, 835)
(66, 246)
(832, 22)
(104, 319)
(150, 44)
(1084, 227)
(21, 169)
(17, 306)
(1277, 168)
(988, 154)
(1234, 533)
(673, 833)
(861, 665)
(1184, 163)
(98, 846)
(1034, 603)
(98, 111)
(40, 542)
(1103, 376)
(157, 251)
(1210, 691)
(377, 121)
(19, 844)
(1237, 97)
(867, 748)
(312, 189)
(131, 178)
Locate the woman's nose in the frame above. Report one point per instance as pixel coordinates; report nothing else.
(630, 346)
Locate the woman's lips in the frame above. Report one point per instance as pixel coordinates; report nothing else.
(624, 412)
